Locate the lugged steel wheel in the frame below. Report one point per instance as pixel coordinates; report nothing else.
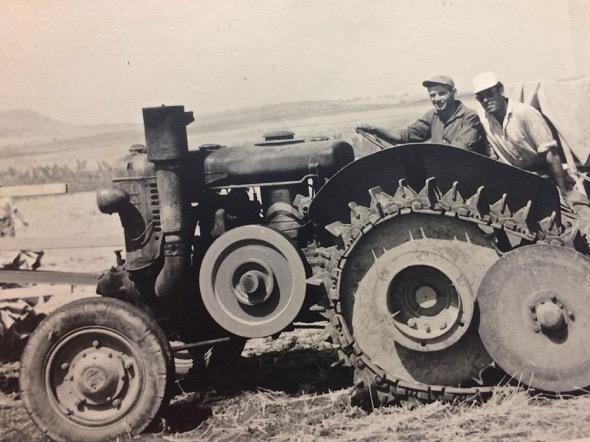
(390, 263)
(95, 369)
(411, 311)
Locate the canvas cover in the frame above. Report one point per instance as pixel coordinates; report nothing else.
(566, 103)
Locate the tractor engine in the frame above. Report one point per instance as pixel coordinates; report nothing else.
(225, 228)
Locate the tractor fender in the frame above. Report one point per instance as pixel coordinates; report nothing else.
(417, 162)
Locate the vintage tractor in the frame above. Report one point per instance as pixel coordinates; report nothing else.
(434, 267)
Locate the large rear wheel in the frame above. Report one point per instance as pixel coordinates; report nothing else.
(408, 299)
(94, 370)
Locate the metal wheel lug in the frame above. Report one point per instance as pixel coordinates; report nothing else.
(443, 325)
(95, 343)
(553, 298)
(427, 328)
(65, 366)
(116, 403)
(411, 323)
(108, 398)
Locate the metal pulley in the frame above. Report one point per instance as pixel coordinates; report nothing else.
(535, 316)
(252, 281)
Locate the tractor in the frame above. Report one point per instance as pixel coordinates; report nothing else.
(435, 268)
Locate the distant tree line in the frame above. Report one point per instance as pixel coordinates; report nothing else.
(79, 176)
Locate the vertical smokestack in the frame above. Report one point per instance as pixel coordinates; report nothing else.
(167, 148)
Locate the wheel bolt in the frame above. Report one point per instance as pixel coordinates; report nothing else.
(553, 298)
(443, 325)
(411, 323)
(427, 328)
(65, 366)
(95, 343)
(117, 403)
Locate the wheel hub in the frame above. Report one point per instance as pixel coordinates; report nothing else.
(97, 376)
(549, 315)
(424, 303)
(254, 282)
(426, 297)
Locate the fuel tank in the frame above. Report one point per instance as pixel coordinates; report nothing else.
(275, 162)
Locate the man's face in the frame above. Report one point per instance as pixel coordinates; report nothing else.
(492, 99)
(442, 97)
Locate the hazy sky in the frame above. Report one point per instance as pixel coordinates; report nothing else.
(101, 61)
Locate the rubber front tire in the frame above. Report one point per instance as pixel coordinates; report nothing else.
(132, 364)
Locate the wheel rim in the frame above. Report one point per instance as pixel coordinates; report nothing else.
(94, 376)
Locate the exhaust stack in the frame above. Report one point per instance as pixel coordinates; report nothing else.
(167, 149)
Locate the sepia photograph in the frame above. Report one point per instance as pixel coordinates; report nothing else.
(295, 220)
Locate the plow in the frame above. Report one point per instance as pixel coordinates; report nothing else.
(438, 272)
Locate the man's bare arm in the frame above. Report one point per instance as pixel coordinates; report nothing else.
(559, 174)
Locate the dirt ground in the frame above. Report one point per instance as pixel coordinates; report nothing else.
(284, 389)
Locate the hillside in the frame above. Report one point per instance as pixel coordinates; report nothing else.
(30, 139)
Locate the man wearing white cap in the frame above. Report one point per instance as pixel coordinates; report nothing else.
(450, 122)
(516, 132)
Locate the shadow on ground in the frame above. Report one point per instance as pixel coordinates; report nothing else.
(294, 372)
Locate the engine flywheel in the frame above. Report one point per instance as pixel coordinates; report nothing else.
(252, 281)
(535, 316)
(408, 291)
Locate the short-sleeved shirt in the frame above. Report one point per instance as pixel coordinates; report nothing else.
(521, 137)
(463, 129)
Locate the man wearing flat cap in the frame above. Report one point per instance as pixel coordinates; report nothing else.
(449, 122)
(516, 132)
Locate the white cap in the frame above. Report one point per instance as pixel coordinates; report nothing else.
(484, 81)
